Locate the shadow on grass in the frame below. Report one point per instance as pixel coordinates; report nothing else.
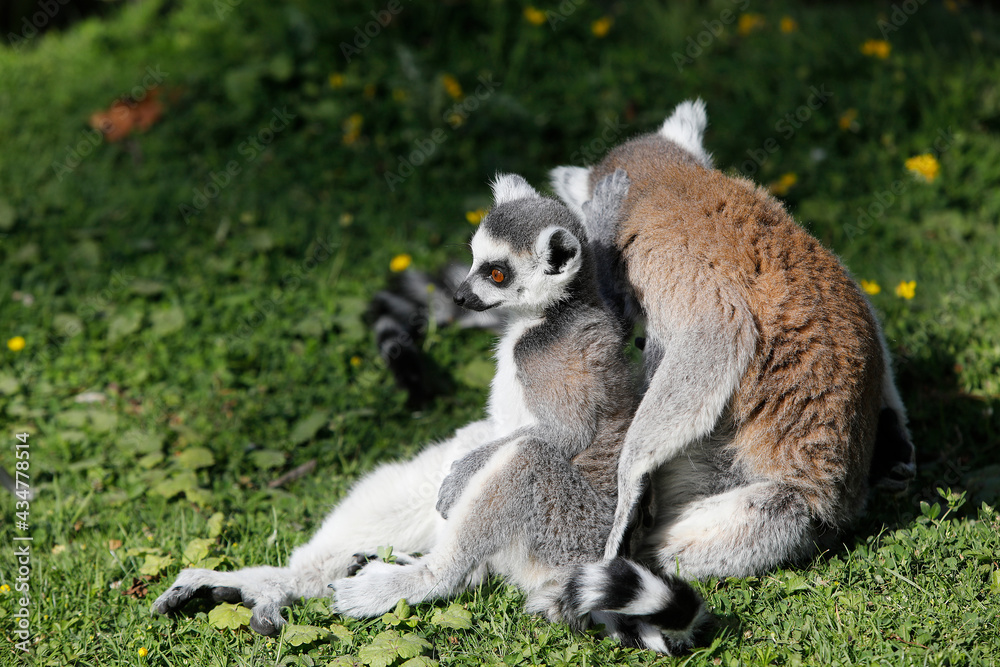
(955, 435)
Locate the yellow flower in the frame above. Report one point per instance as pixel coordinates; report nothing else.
(5, 589)
(749, 22)
(925, 166)
(455, 119)
(400, 263)
(143, 652)
(356, 361)
(346, 219)
(352, 128)
(906, 290)
(601, 26)
(399, 95)
(475, 217)
(788, 24)
(452, 85)
(878, 48)
(534, 16)
(781, 186)
(58, 549)
(16, 344)
(871, 287)
(369, 91)
(336, 80)
(846, 121)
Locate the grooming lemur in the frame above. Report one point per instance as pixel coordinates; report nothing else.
(770, 404)
(532, 495)
(766, 476)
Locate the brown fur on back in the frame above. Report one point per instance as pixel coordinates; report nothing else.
(703, 245)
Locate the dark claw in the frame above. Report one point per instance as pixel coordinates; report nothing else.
(173, 599)
(360, 560)
(267, 619)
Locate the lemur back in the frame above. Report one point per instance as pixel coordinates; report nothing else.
(766, 370)
(806, 407)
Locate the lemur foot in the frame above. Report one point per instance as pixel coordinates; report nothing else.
(198, 583)
(375, 588)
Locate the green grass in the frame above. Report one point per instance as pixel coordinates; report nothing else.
(218, 339)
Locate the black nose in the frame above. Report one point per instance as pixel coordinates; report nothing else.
(462, 294)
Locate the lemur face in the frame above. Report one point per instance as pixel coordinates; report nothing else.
(525, 252)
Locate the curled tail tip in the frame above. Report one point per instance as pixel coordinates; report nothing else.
(636, 606)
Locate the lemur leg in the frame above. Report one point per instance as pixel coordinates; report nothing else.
(393, 505)
(742, 532)
(699, 370)
(471, 534)
(526, 512)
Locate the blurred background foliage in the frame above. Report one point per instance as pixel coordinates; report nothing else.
(190, 295)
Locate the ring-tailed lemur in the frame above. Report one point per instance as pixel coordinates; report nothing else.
(770, 404)
(535, 506)
(531, 491)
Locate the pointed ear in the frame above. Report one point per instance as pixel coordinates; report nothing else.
(509, 187)
(559, 249)
(572, 185)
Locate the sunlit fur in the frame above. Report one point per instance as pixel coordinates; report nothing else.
(770, 398)
(529, 493)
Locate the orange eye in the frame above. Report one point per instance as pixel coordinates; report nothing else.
(497, 276)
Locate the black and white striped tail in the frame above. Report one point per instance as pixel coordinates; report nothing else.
(400, 317)
(639, 608)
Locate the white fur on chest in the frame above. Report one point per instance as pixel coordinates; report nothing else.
(507, 407)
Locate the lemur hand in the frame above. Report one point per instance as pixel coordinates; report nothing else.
(601, 212)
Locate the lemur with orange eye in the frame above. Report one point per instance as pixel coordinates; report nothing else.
(530, 493)
(769, 408)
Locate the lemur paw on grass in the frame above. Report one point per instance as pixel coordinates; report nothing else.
(528, 494)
